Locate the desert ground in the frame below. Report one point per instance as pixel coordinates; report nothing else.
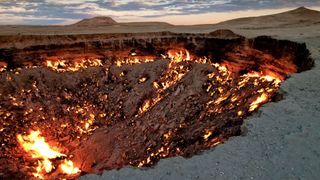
(280, 141)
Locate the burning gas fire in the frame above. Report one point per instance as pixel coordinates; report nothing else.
(40, 149)
(89, 104)
(3, 66)
(64, 65)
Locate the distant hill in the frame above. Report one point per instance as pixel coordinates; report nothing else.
(299, 16)
(96, 21)
(107, 21)
(151, 23)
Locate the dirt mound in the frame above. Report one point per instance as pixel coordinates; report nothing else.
(224, 33)
(96, 21)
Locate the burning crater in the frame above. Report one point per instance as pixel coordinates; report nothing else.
(87, 103)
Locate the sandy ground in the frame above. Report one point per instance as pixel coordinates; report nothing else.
(281, 141)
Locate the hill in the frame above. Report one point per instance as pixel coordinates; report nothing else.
(296, 17)
(96, 21)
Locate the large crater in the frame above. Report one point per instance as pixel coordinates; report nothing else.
(106, 101)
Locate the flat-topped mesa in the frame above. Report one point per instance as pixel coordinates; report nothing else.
(96, 21)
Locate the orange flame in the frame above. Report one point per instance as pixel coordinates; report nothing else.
(38, 148)
(255, 104)
(68, 167)
(63, 65)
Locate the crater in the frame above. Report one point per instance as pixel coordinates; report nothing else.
(105, 101)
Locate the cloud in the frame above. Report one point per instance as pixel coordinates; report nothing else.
(68, 2)
(95, 10)
(144, 2)
(55, 11)
(14, 10)
(10, 19)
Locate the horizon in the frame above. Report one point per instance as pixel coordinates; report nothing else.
(187, 12)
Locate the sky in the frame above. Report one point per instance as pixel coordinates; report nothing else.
(49, 12)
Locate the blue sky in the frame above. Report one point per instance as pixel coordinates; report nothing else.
(45, 12)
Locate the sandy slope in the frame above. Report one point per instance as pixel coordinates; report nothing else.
(294, 18)
(282, 140)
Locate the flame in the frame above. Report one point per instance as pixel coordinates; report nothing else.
(178, 55)
(207, 135)
(135, 60)
(146, 105)
(268, 77)
(40, 149)
(174, 73)
(37, 146)
(3, 67)
(87, 124)
(255, 104)
(64, 66)
(68, 168)
(225, 94)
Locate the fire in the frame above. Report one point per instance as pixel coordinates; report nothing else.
(135, 60)
(207, 135)
(268, 77)
(178, 55)
(40, 149)
(64, 65)
(3, 67)
(36, 144)
(87, 124)
(255, 104)
(145, 106)
(68, 167)
(226, 91)
(174, 73)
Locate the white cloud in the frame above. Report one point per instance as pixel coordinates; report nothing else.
(68, 2)
(19, 19)
(95, 10)
(6, 9)
(144, 2)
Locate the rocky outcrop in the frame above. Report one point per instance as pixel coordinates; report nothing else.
(221, 45)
